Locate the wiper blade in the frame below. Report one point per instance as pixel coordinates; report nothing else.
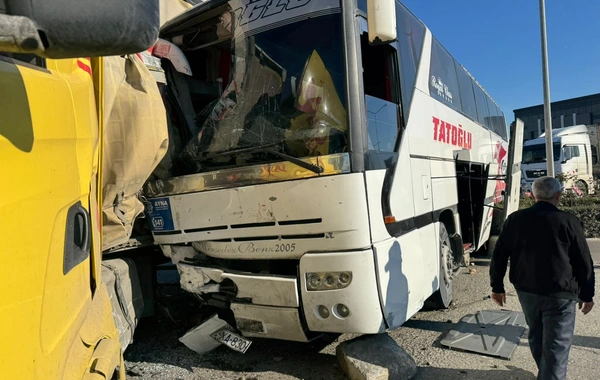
(267, 149)
(306, 165)
(247, 149)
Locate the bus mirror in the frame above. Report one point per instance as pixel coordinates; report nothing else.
(381, 20)
(82, 28)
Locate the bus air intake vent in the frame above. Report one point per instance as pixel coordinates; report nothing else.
(206, 229)
(253, 225)
(301, 221)
(283, 237)
(164, 233)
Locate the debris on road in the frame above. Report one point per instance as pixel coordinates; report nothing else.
(489, 332)
(374, 357)
(200, 340)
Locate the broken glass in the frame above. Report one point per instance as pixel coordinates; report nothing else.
(286, 91)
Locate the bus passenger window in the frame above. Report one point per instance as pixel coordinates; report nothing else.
(382, 95)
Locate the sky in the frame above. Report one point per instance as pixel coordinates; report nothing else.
(498, 41)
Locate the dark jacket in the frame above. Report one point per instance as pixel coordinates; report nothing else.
(548, 254)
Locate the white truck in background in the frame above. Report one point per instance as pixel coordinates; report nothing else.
(594, 133)
(573, 159)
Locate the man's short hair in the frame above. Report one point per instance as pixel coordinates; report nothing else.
(546, 188)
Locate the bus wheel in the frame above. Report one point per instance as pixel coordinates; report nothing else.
(442, 298)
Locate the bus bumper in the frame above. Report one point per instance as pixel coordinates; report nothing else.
(282, 307)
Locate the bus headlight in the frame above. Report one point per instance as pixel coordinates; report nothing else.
(316, 281)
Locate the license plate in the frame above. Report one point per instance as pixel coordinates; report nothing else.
(232, 340)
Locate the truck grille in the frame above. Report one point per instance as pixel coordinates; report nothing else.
(535, 173)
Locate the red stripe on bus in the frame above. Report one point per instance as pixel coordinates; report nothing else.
(84, 67)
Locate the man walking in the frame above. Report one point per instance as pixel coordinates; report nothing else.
(551, 269)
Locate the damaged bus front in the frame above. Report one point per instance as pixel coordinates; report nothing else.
(262, 196)
(332, 165)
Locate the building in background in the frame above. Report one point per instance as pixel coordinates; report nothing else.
(565, 113)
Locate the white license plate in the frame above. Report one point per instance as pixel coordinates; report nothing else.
(232, 340)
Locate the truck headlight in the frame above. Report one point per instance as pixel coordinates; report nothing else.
(316, 281)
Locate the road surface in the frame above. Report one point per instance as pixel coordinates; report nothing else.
(157, 353)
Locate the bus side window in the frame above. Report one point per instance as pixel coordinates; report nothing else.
(30, 59)
(381, 93)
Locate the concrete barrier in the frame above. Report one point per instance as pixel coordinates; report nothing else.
(375, 357)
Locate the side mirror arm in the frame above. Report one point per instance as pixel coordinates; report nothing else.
(20, 34)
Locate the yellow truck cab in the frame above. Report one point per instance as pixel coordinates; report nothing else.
(56, 311)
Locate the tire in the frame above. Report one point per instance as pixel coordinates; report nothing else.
(582, 185)
(442, 298)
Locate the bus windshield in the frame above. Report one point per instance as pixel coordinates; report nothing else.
(537, 153)
(286, 95)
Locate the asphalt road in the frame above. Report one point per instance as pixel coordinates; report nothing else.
(157, 353)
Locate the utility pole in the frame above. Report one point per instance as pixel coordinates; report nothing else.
(546, 82)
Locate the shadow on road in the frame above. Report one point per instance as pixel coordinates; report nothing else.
(300, 360)
(427, 373)
(586, 341)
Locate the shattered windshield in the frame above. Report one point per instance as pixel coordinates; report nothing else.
(537, 153)
(285, 93)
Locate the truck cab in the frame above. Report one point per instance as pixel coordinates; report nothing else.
(56, 311)
(572, 159)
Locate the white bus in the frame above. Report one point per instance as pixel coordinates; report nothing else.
(322, 184)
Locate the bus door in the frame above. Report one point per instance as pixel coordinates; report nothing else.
(486, 205)
(513, 170)
(476, 192)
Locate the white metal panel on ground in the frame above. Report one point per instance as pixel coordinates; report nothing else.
(199, 338)
(488, 332)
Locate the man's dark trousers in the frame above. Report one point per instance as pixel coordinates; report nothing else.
(551, 325)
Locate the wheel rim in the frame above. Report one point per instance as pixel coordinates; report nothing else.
(447, 264)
